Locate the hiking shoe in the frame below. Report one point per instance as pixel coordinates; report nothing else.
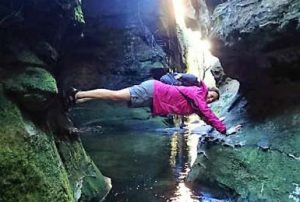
(71, 99)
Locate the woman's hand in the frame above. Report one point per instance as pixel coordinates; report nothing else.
(234, 129)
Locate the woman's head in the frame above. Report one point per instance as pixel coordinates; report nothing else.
(212, 95)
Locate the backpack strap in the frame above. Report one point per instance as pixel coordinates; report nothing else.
(180, 79)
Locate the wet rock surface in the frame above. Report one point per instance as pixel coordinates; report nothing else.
(41, 156)
(260, 162)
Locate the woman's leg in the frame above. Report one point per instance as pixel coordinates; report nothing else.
(81, 100)
(103, 94)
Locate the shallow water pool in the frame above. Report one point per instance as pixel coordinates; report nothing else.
(148, 166)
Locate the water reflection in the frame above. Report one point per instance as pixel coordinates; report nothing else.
(183, 193)
(145, 165)
(184, 146)
(182, 156)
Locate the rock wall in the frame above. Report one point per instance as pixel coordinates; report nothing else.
(257, 43)
(41, 155)
(123, 43)
(122, 40)
(48, 46)
(257, 35)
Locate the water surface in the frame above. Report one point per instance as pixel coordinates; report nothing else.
(145, 165)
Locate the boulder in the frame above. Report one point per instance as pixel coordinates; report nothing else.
(33, 89)
(40, 154)
(256, 41)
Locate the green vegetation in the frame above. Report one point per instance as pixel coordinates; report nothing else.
(78, 14)
(32, 79)
(253, 174)
(30, 169)
(37, 165)
(86, 180)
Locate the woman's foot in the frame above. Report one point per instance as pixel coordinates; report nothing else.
(71, 96)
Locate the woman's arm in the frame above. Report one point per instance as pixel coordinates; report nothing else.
(209, 117)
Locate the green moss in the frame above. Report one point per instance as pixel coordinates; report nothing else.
(33, 79)
(251, 172)
(30, 168)
(39, 166)
(86, 180)
(78, 14)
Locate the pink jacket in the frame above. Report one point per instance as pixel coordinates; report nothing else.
(167, 99)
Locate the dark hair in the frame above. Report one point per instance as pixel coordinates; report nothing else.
(215, 89)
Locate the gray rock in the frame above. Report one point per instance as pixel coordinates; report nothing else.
(252, 36)
(264, 145)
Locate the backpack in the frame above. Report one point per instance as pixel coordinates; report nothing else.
(180, 79)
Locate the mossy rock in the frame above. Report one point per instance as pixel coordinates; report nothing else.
(32, 79)
(254, 175)
(33, 88)
(86, 180)
(30, 168)
(37, 165)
